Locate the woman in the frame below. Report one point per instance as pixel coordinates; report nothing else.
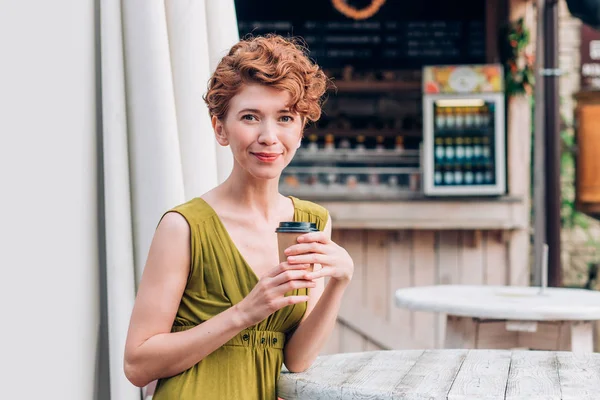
(211, 318)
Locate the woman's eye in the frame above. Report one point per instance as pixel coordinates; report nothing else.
(287, 118)
(249, 117)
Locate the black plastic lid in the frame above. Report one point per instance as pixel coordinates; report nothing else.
(297, 227)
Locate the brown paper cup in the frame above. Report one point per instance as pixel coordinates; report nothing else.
(288, 233)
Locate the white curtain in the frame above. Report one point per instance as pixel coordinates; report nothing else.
(158, 146)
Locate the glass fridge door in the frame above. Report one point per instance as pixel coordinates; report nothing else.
(464, 145)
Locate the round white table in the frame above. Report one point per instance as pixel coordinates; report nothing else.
(447, 374)
(509, 316)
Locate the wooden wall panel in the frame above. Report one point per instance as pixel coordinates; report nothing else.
(354, 243)
(496, 262)
(350, 341)
(386, 260)
(519, 258)
(472, 263)
(447, 257)
(333, 345)
(370, 346)
(425, 326)
(400, 270)
(376, 273)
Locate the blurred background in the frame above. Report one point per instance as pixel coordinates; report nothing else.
(459, 139)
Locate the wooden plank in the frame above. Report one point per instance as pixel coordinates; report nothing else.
(321, 385)
(350, 341)
(519, 258)
(533, 376)
(353, 242)
(361, 320)
(495, 260)
(493, 335)
(432, 375)
(370, 346)
(447, 260)
(376, 275)
(333, 343)
(483, 376)
(375, 377)
(400, 276)
(461, 333)
(425, 215)
(425, 324)
(579, 375)
(545, 337)
(448, 271)
(519, 146)
(472, 263)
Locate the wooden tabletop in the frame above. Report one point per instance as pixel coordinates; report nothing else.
(447, 375)
(503, 302)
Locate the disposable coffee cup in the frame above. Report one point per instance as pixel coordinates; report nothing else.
(288, 233)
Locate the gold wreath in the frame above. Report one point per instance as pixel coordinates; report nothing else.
(353, 13)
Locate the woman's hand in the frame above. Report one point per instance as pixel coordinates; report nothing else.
(317, 248)
(268, 295)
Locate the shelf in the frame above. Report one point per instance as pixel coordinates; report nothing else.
(367, 156)
(421, 213)
(351, 170)
(365, 132)
(377, 86)
(338, 192)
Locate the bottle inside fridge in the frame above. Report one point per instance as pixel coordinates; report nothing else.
(463, 143)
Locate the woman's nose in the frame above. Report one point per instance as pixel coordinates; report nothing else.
(268, 134)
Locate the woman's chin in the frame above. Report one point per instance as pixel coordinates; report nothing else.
(265, 174)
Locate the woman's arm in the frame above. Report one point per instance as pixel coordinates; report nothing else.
(321, 314)
(151, 350)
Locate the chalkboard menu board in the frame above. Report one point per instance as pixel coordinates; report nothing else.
(403, 34)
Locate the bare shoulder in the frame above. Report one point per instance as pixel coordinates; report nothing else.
(174, 223)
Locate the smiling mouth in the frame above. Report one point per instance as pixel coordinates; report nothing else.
(266, 157)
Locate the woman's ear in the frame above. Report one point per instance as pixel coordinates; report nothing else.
(219, 130)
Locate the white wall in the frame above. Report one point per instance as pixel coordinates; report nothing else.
(48, 230)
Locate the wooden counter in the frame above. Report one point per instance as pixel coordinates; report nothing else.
(503, 213)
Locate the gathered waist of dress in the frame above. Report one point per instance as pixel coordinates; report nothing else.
(248, 337)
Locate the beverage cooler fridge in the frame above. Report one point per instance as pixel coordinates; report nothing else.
(463, 131)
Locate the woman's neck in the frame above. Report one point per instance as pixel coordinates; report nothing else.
(258, 197)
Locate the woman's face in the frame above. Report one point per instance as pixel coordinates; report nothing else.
(260, 129)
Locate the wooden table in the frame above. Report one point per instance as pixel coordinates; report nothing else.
(447, 375)
(507, 317)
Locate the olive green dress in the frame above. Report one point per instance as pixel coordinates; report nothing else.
(247, 366)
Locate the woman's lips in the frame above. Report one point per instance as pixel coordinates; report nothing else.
(266, 157)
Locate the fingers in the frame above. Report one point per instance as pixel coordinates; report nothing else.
(319, 237)
(310, 258)
(325, 271)
(284, 266)
(311, 247)
(290, 275)
(290, 286)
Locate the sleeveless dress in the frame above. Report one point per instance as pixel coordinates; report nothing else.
(248, 365)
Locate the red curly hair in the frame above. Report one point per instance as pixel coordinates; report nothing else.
(273, 61)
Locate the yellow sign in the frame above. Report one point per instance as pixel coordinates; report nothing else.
(463, 79)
